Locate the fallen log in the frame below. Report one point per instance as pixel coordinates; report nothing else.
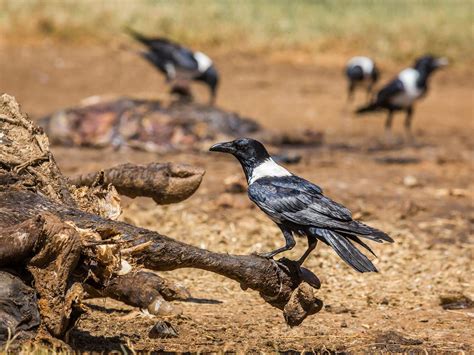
(72, 250)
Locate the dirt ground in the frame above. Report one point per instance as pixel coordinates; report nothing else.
(422, 195)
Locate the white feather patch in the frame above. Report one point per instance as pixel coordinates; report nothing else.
(203, 61)
(365, 63)
(266, 169)
(411, 92)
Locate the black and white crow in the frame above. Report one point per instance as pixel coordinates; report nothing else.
(361, 71)
(401, 93)
(299, 207)
(178, 62)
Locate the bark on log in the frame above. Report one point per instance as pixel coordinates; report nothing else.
(24, 151)
(18, 307)
(275, 281)
(17, 242)
(51, 251)
(143, 289)
(164, 183)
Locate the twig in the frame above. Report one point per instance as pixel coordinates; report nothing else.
(17, 169)
(136, 248)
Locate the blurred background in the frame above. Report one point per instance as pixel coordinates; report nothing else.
(55, 53)
(282, 64)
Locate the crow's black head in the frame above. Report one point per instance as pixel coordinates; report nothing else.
(211, 78)
(355, 73)
(429, 63)
(249, 152)
(243, 149)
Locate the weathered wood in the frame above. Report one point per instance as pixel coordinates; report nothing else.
(52, 268)
(275, 281)
(164, 183)
(19, 313)
(24, 150)
(18, 241)
(143, 289)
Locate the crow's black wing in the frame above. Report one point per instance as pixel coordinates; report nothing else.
(389, 91)
(296, 182)
(294, 200)
(181, 57)
(163, 51)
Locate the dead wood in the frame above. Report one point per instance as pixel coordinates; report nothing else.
(143, 289)
(17, 242)
(164, 183)
(52, 267)
(18, 308)
(150, 284)
(24, 151)
(50, 249)
(275, 281)
(48, 228)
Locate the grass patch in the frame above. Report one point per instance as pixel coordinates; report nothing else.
(392, 29)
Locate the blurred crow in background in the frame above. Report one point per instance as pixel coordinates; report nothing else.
(179, 64)
(299, 207)
(361, 71)
(400, 94)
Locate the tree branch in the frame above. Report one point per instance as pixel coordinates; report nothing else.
(164, 183)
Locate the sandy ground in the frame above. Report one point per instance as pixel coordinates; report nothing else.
(426, 205)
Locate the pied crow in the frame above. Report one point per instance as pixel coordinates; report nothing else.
(178, 62)
(401, 93)
(299, 207)
(361, 71)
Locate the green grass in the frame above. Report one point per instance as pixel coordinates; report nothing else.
(384, 28)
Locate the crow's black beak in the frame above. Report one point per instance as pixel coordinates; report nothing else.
(227, 147)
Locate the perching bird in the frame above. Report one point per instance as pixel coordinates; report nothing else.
(361, 71)
(401, 93)
(299, 207)
(179, 63)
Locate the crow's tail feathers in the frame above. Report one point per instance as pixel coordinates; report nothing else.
(349, 253)
(136, 35)
(372, 107)
(341, 244)
(365, 231)
(356, 239)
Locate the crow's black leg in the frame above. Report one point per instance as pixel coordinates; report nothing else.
(388, 121)
(212, 98)
(312, 242)
(369, 91)
(350, 92)
(290, 243)
(388, 126)
(408, 120)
